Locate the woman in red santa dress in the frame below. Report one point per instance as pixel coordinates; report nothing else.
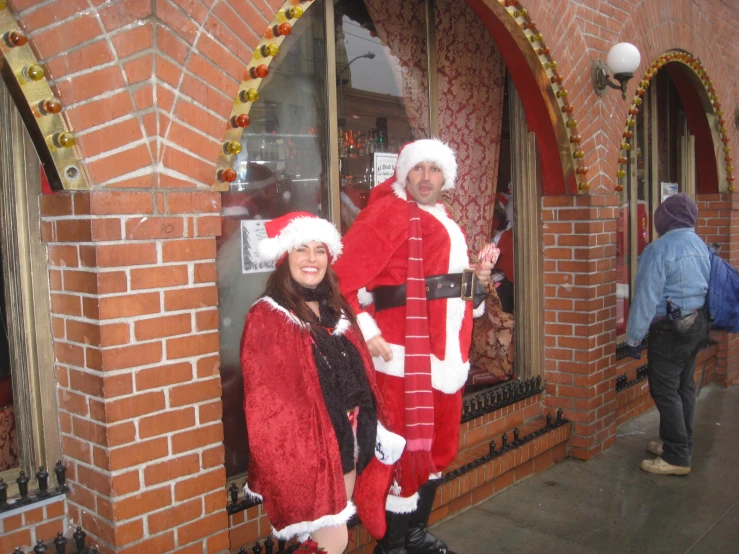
(313, 412)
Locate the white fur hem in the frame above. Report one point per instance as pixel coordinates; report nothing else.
(389, 446)
(303, 529)
(479, 311)
(250, 494)
(401, 504)
(367, 325)
(447, 376)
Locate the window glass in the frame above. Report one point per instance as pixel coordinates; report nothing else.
(382, 90)
(283, 166)
(640, 170)
(623, 266)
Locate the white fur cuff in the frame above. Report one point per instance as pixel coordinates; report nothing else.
(479, 311)
(401, 504)
(388, 446)
(367, 325)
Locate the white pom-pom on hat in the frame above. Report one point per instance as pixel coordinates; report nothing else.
(427, 150)
(296, 229)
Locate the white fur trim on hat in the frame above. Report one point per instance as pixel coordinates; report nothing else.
(427, 150)
(301, 231)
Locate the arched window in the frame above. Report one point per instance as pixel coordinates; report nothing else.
(354, 81)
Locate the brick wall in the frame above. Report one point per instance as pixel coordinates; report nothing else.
(585, 30)
(136, 340)
(32, 524)
(718, 221)
(580, 315)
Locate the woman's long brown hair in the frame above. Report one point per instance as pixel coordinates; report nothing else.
(282, 285)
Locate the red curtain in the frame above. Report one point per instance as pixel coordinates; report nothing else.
(471, 77)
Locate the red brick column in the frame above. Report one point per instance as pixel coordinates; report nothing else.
(718, 221)
(135, 328)
(580, 316)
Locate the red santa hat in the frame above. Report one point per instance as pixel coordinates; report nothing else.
(296, 229)
(427, 150)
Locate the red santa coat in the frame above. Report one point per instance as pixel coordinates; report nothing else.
(376, 254)
(295, 464)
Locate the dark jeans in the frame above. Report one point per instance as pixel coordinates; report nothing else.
(672, 353)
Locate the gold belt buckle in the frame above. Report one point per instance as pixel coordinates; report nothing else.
(467, 292)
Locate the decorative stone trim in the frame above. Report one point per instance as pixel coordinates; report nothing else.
(41, 111)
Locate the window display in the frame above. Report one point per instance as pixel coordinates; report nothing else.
(382, 92)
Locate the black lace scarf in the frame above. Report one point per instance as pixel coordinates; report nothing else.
(343, 381)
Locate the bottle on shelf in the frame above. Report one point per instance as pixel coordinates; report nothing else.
(361, 146)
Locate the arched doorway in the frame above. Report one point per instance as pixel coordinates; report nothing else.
(670, 144)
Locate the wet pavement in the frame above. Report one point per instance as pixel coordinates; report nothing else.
(609, 505)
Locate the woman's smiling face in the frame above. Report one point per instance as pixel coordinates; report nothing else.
(308, 264)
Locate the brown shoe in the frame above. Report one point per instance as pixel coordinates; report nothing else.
(655, 447)
(660, 467)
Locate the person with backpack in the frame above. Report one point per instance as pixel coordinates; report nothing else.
(669, 298)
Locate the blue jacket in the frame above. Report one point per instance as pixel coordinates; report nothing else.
(676, 265)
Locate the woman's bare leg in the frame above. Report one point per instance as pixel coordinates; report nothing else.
(334, 539)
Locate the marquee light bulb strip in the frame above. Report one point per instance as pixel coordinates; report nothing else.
(258, 69)
(42, 112)
(537, 43)
(694, 64)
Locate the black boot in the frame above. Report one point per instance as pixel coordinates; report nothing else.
(394, 540)
(418, 540)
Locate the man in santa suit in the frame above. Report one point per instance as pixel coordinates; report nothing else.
(406, 273)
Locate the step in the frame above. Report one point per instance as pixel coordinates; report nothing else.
(484, 428)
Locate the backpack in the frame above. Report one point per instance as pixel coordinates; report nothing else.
(723, 295)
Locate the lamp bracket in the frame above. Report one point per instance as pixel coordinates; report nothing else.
(602, 78)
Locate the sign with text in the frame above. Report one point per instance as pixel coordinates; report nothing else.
(252, 231)
(668, 189)
(384, 166)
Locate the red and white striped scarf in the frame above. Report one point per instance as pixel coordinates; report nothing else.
(419, 399)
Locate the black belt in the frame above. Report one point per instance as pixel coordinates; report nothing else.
(450, 285)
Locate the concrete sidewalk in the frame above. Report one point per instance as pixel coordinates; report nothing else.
(609, 505)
